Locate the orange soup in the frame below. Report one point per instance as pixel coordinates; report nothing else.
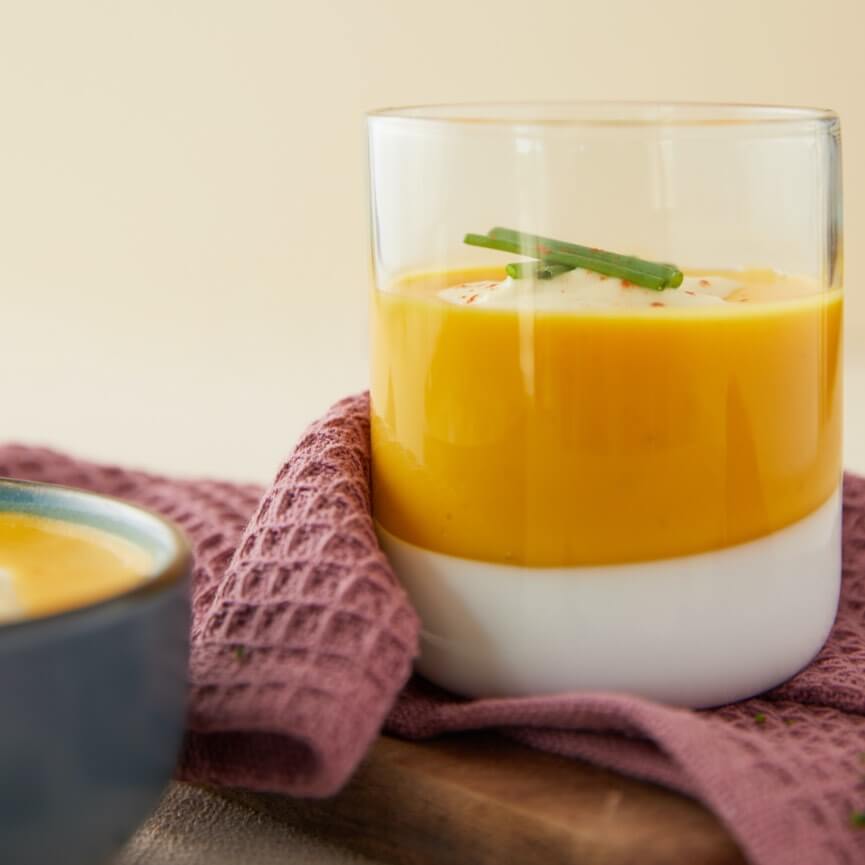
(47, 565)
(541, 435)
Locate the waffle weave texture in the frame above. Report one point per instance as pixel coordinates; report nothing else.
(302, 644)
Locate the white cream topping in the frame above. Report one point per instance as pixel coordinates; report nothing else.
(584, 289)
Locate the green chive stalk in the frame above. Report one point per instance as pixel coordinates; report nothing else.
(571, 260)
(670, 274)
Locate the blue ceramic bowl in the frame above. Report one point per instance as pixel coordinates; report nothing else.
(92, 700)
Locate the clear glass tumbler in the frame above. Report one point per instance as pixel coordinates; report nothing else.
(606, 392)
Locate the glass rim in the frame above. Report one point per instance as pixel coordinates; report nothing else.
(605, 113)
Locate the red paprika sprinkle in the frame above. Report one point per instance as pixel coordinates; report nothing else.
(705, 283)
(657, 303)
(692, 293)
(626, 283)
(472, 299)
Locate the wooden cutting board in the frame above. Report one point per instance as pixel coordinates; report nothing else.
(479, 799)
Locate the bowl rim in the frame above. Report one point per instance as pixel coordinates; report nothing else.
(171, 574)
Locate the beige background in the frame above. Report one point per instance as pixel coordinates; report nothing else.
(183, 256)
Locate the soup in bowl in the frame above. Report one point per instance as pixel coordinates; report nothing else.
(94, 624)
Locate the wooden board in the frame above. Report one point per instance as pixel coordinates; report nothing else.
(479, 799)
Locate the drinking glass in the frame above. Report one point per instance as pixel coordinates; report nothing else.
(584, 479)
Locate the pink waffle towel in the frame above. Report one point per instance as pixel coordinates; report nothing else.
(302, 643)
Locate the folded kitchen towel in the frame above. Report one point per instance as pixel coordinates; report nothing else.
(302, 643)
(301, 637)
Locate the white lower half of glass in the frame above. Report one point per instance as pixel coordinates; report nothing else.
(695, 631)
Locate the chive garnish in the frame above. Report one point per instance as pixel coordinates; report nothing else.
(760, 718)
(857, 819)
(568, 256)
(534, 269)
(571, 260)
(671, 274)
